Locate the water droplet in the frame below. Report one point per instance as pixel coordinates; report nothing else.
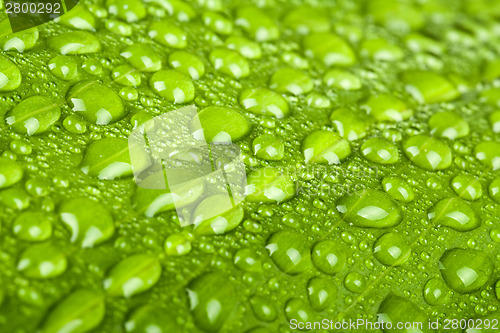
(168, 34)
(378, 150)
(177, 244)
(491, 96)
(20, 41)
(42, 261)
(448, 125)
(291, 80)
(118, 27)
(325, 147)
(465, 271)
(81, 311)
(180, 10)
(428, 152)
(305, 19)
(436, 292)
(216, 224)
(74, 125)
(153, 201)
(489, 154)
(187, 64)
(15, 198)
(330, 49)
(298, 311)
(454, 213)
(245, 47)
(318, 101)
(143, 57)
(252, 226)
(10, 76)
(329, 257)
(132, 275)
(467, 187)
(230, 63)
(219, 122)
(264, 102)
(290, 252)
(34, 115)
(352, 125)
(31, 296)
(398, 16)
(129, 94)
(391, 249)
(32, 226)
(268, 147)
(429, 87)
(495, 121)
(92, 67)
(398, 189)
(495, 235)
(63, 67)
(370, 209)
(248, 260)
(212, 299)
(417, 42)
(385, 107)
(269, 185)
(10, 172)
(172, 85)
(263, 308)
(109, 159)
(78, 18)
(126, 75)
(74, 42)
(90, 222)
(321, 293)
(37, 187)
(96, 103)
(127, 10)
(494, 190)
(151, 319)
(355, 282)
(295, 60)
(217, 22)
(21, 147)
(396, 309)
(341, 79)
(257, 24)
(381, 49)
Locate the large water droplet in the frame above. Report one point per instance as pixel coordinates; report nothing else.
(391, 249)
(133, 275)
(90, 222)
(371, 209)
(428, 152)
(34, 115)
(212, 299)
(96, 102)
(289, 251)
(454, 213)
(465, 271)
